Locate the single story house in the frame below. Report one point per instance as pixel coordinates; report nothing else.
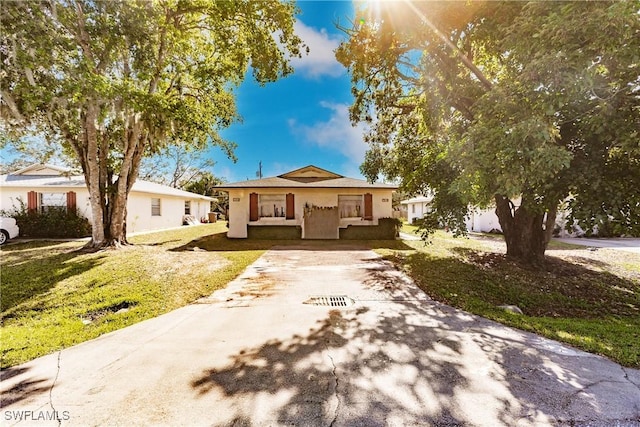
(416, 207)
(150, 206)
(307, 203)
(478, 220)
(483, 220)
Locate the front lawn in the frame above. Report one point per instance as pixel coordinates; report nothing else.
(590, 299)
(54, 296)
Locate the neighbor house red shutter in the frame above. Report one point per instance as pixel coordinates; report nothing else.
(253, 207)
(71, 201)
(290, 206)
(368, 206)
(32, 201)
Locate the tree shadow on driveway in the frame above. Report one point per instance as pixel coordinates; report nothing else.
(406, 360)
(219, 242)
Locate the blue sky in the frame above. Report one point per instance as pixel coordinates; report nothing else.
(301, 119)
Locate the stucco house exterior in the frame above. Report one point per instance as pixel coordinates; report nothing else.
(480, 220)
(306, 203)
(417, 207)
(150, 206)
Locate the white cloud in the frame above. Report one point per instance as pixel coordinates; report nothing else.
(335, 134)
(321, 60)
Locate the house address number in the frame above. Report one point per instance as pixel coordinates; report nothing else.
(236, 199)
(385, 200)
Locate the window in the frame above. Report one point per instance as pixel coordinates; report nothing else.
(413, 208)
(350, 206)
(155, 206)
(272, 206)
(187, 207)
(49, 201)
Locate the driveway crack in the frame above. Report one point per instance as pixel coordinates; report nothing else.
(626, 377)
(337, 395)
(55, 379)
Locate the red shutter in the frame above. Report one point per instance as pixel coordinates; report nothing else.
(32, 201)
(368, 206)
(253, 207)
(290, 206)
(71, 201)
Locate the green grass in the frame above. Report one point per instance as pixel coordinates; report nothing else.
(55, 296)
(588, 299)
(50, 290)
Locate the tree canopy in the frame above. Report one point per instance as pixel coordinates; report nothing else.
(118, 80)
(502, 102)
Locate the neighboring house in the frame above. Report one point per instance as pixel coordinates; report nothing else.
(417, 207)
(150, 206)
(478, 220)
(307, 203)
(483, 220)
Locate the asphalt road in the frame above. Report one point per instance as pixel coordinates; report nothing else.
(256, 354)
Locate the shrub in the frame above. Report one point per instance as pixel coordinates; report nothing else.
(387, 229)
(54, 222)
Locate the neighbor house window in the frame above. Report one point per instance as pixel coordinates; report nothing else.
(272, 205)
(350, 206)
(49, 201)
(155, 206)
(187, 207)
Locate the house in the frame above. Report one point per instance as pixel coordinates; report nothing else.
(307, 203)
(478, 220)
(483, 220)
(417, 207)
(150, 206)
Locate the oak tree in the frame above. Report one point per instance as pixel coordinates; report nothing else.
(522, 105)
(118, 80)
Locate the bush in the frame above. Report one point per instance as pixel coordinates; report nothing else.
(387, 229)
(54, 222)
(274, 232)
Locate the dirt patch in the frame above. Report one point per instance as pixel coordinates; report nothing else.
(160, 262)
(121, 307)
(587, 284)
(262, 288)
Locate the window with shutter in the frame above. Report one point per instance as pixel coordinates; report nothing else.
(350, 206)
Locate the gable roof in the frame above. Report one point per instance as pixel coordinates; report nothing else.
(418, 199)
(307, 177)
(31, 177)
(42, 169)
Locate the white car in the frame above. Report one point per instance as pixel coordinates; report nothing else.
(8, 229)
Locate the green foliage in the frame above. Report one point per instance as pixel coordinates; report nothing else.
(53, 222)
(115, 81)
(54, 295)
(274, 232)
(387, 229)
(588, 299)
(539, 100)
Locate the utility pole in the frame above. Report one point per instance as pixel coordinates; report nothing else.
(259, 172)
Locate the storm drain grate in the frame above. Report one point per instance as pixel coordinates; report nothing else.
(330, 300)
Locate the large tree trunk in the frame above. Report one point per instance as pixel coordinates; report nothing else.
(108, 196)
(526, 232)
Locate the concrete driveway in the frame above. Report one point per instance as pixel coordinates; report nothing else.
(256, 354)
